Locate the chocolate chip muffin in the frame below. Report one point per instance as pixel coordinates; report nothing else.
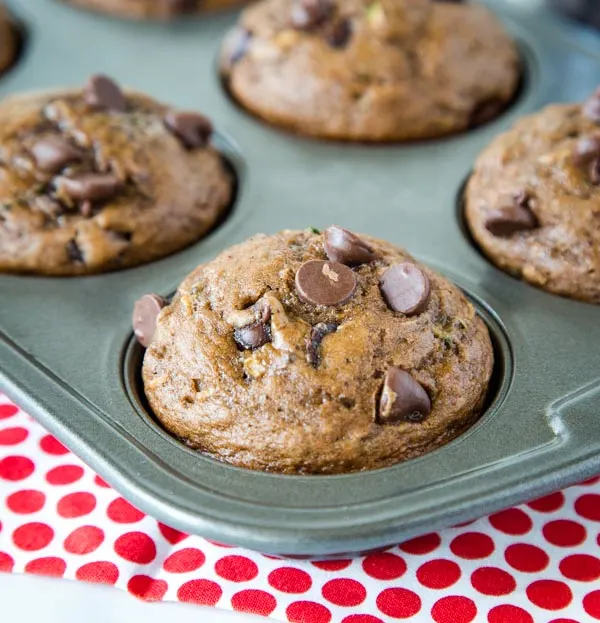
(97, 179)
(533, 201)
(8, 40)
(152, 9)
(314, 353)
(371, 70)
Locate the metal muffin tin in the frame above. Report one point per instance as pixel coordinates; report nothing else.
(67, 353)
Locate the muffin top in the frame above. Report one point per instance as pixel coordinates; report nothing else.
(308, 352)
(371, 70)
(96, 179)
(533, 201)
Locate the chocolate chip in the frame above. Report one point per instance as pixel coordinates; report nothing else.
(486, 111)
(586, 150)
(192, 128)
(403, 399)
(313, 343)
(405, 288)
(338, 33)
(511, 218)
(53, 153)
(88, 186)
(308, 14)
(347, 248)
(75, 254)
(595, 172)
(325, 283)
(103, 93)
(591, 107)
(179, 6)
(145, 313)
(235, 46)
(252, 336)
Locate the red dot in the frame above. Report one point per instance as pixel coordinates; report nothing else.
(101, 483)
(136, 547)
(549, 594)
(590, 481)
(384, 566)
(472, 545)
(236, 568)
(422, 544)
(332, 565)
(438, 573)
(581, 567)
(561, 620)
(84, 540)
(549, 503)
(47, 566)
(172, 535)
(398, 602)
(512, 521)
(13, 436)
(147, 588)
(508, 614)
(98, 572)
(26, 501)
(591, 604)
(361, 618)
(344, 592)
(201, 592)
(254, 601)
(16, 468)
(588, 506)
(528, 558)
(493, 581)
(307, 612)
(7, 411)
(6, 562)
(33, 536)
(290, 580)
(64, 474)
(76, 504)
(564, 532)
(185, 560)
(51, 445)
(453, 609)
(121, 511)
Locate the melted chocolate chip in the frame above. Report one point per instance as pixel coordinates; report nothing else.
(405, 288)
(486, 111)
(253, 335)
(309, 14)
(313, 343)
(403, 398)
(53, 153)
(591, 107)
(235, 46)
(191, 128)
(103, 93)
(180, 6)
(145, 314)
(75, 254)
(338, 33)
(325, 283)
(510, 219)
(88, 186)
(586, 150)
(595, 172)
(347, 248)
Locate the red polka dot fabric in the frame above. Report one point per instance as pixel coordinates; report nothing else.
(539, 562)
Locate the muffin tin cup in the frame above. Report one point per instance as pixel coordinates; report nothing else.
(67, 354)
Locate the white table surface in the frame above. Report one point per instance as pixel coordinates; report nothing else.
(30, 599)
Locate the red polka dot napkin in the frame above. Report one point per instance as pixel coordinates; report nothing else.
(537, 562)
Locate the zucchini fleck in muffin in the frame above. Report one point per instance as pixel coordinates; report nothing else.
(371, 70)
(314, 353)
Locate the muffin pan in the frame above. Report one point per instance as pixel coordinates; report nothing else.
(68, 357)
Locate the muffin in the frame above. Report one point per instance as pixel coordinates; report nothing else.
(152, 9)
(97, 179)
(371, 70)
(8, 41)
(314, 353)
(533, 201)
